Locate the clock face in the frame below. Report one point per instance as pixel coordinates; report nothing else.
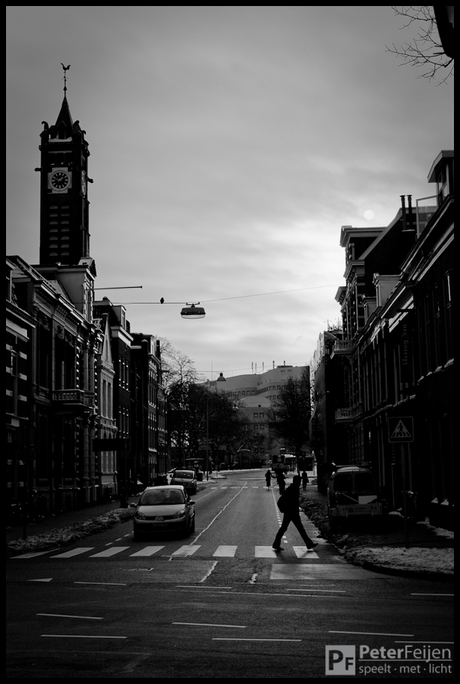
(60, 180)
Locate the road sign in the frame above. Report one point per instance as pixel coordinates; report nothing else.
(401, 429)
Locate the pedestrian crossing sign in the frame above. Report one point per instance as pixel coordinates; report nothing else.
(401, 429)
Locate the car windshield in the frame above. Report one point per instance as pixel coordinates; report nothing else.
(161, 497)
(184, 475)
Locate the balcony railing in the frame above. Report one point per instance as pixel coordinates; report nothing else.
(73, 397)
(342, 347)
(347, 415)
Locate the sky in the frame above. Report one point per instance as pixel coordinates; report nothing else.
(228, 147)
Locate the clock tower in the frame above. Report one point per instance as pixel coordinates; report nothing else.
(64, 229)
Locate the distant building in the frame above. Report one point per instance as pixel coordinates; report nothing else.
(255, 394)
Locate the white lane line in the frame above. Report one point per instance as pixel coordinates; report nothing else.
(194, 586)
(147, 551)
(209, 572)
(330, 591)
(338, 631)
(44, 579)
(414, 593)
(74, 552)
(110, 552)
(77, 617)
(208, 624)
(105, 584)
(225, 551)
(80, 636)
(216, 516)
(248, 639)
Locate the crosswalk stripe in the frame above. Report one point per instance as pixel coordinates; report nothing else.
(74, 552)
(110, 552)
(147, 551)
(186, 550)
(303, 552)
(227, 551)
(265, 552)
(30, 555)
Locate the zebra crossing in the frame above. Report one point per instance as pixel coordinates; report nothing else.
(184, 551)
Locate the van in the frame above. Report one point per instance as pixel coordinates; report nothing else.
(352, 494)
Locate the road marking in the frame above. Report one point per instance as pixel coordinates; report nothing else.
(110, 552)
(31, 555)
(78, 617)
(147, 551)
(208, 624)
(243, 639)
(186, 550)
(216, 516)
(81, 636)
(265, 552)
(312, 571)
(338, 631)
(222, 551)
(414, 593)
(200, 586)
(45, 579)
(330, 591)
(303, 552)
(74, 552)
(103, 584)
(227, 551)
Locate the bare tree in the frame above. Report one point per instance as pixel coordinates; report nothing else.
(425, 50)
(290, 413)
(176, 367)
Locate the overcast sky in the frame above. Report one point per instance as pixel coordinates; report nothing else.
(228, 147)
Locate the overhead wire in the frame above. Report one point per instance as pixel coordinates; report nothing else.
(222, 299)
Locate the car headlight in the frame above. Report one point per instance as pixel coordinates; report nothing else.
(140, 516)
(180, 514)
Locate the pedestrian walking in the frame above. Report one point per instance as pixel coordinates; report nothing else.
(268, 477)
(281, 480)
(290, 508)
(304, 480)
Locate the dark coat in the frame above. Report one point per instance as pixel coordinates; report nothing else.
(291, 500)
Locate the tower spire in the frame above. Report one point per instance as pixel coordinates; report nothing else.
(66, 68)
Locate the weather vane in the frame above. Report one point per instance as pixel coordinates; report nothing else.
(66, 68)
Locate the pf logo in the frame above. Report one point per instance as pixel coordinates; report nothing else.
(340, 660)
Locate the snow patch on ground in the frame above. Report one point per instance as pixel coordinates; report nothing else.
(72, 533)
(412, 559)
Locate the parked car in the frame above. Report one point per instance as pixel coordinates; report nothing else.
(352, 493)
(164, 509)
(186, 478)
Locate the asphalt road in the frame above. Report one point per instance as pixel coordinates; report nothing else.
(219, 604)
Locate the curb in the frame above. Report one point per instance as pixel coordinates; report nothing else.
(432, 576)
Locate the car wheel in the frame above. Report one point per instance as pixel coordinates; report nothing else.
(192, 527)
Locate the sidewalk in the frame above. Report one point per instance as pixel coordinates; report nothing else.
(64, 519)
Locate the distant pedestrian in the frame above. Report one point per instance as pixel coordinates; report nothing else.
(281, 480)
(268, 477)
(290, 510)
(304, 480)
